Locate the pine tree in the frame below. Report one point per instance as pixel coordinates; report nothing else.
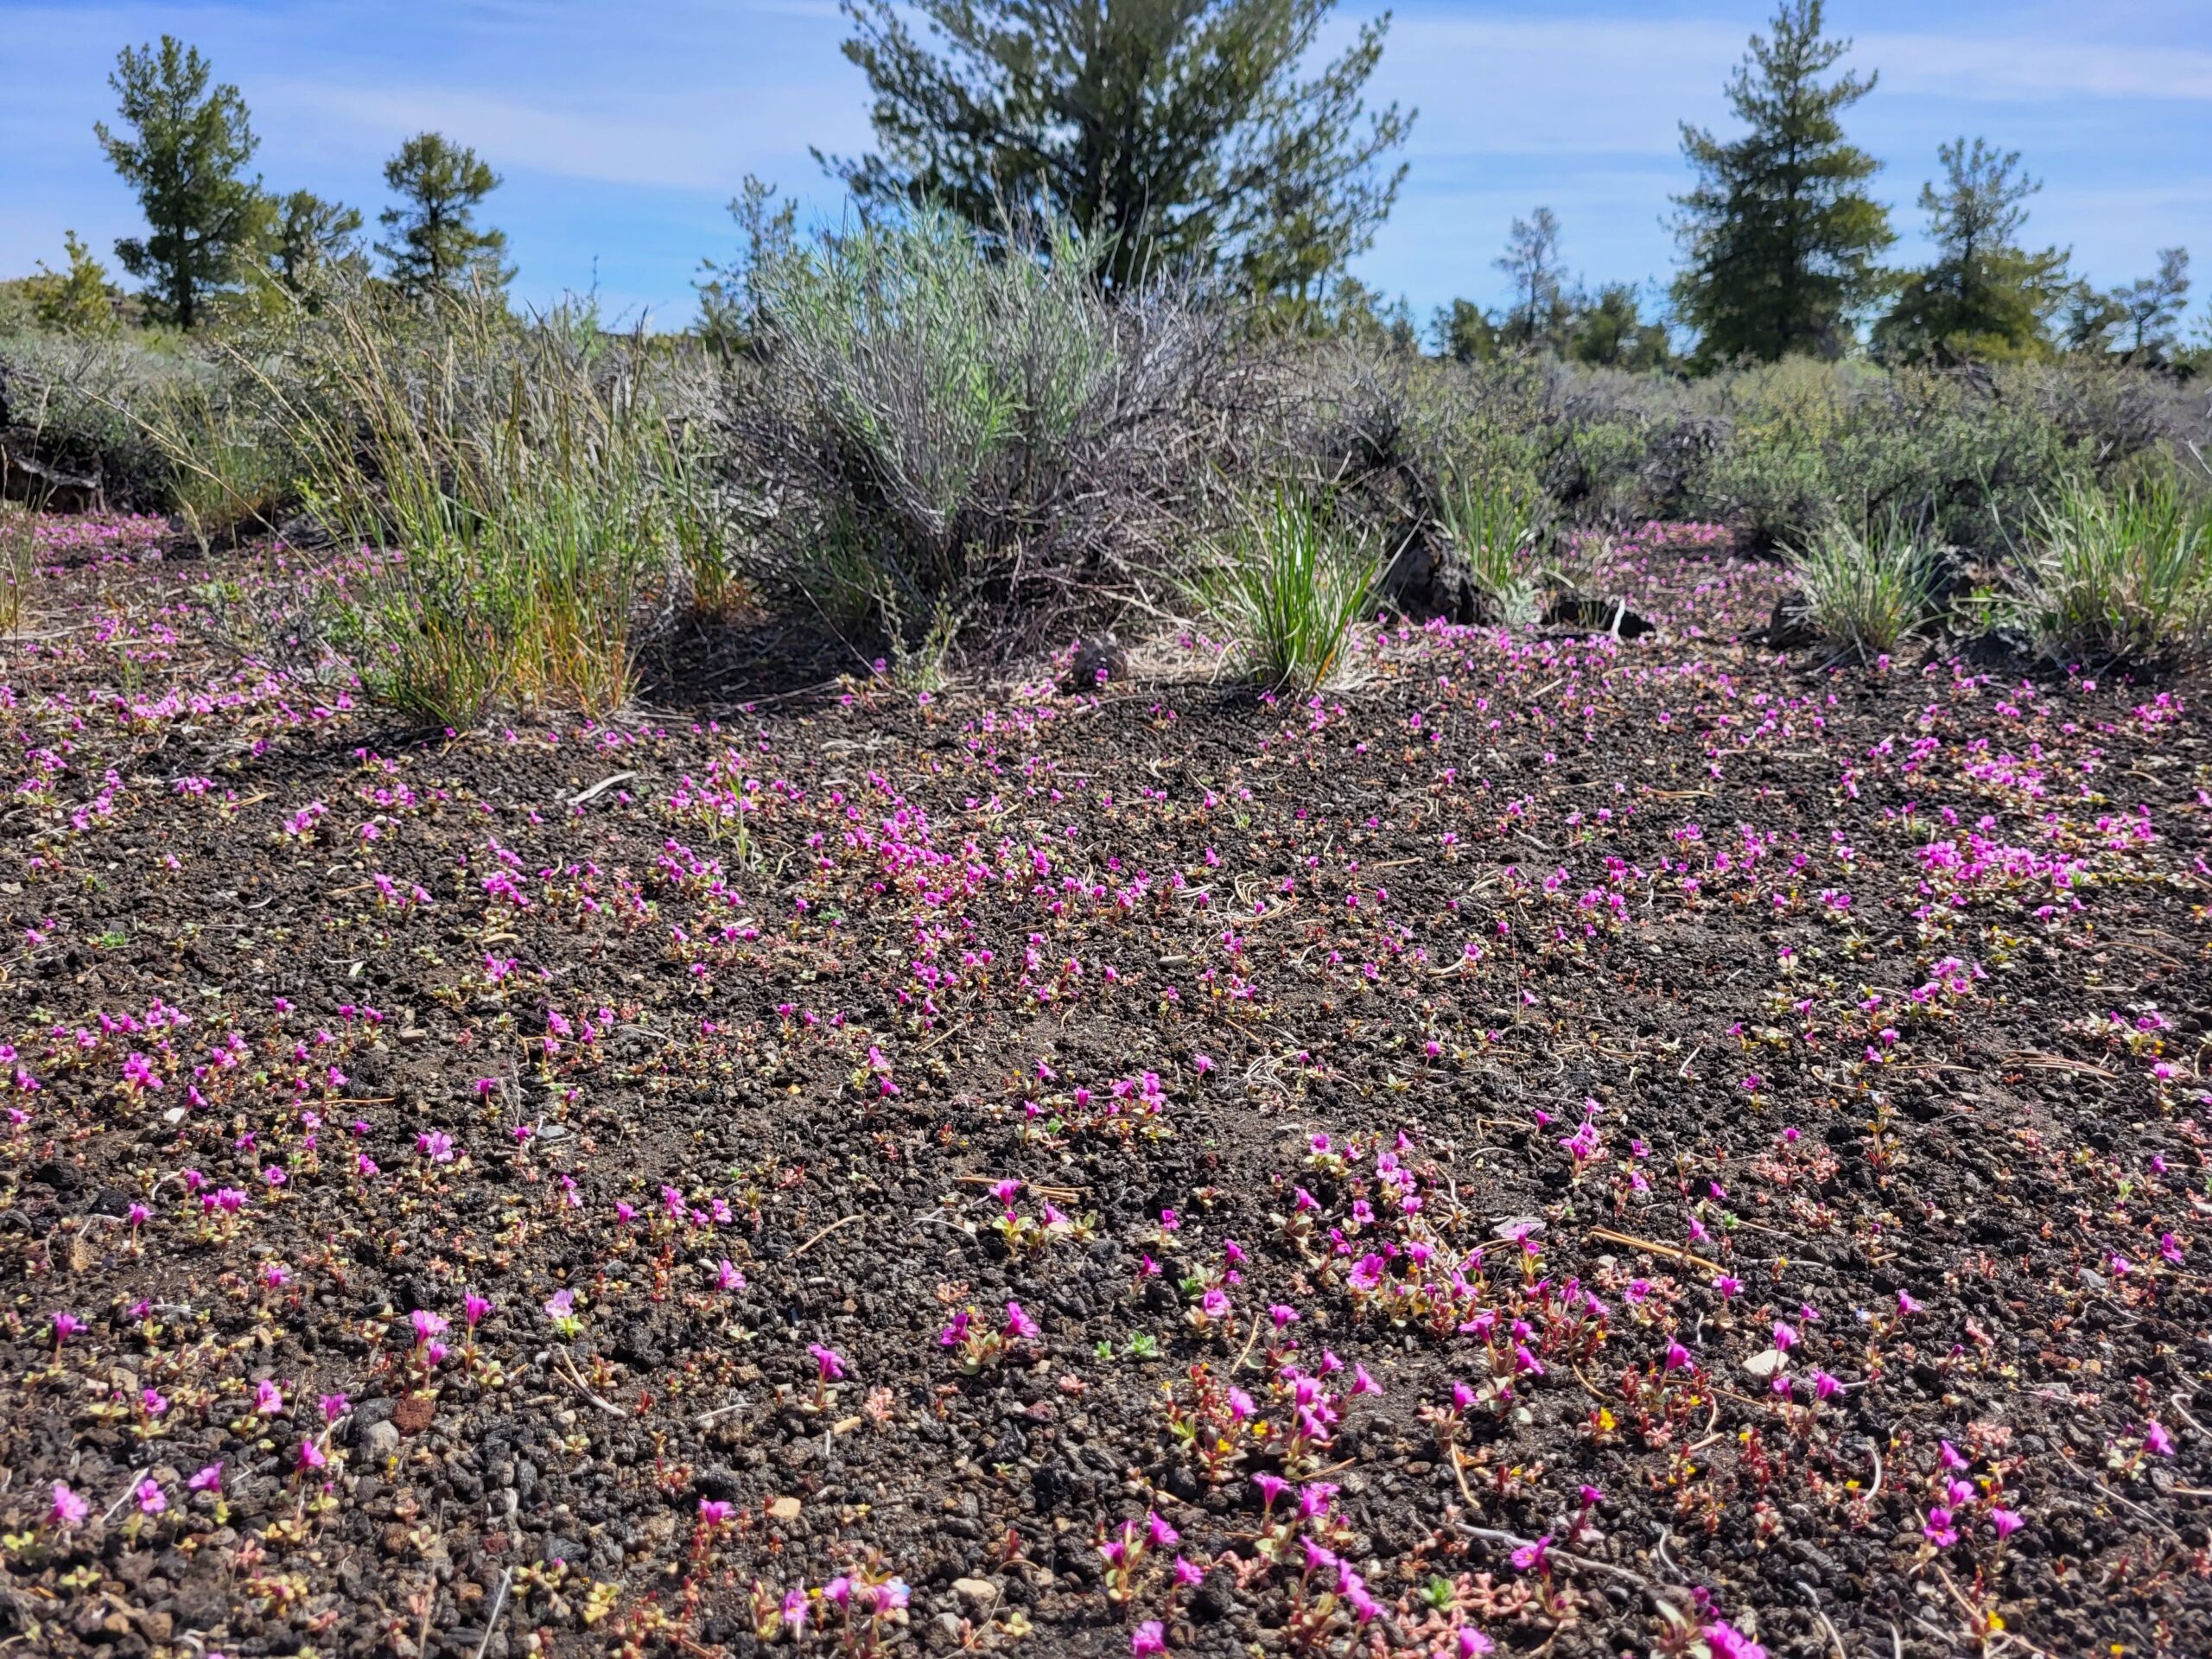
(1531, 261)
(1985, 297)
(77, 301)
(1612, 332)
(2150, 309)
(307, 236)
(184, 150)
(1781, 241)
(436, 245)
(1179, 132)
(1462, 332)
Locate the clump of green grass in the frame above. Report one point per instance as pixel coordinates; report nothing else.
(1869, 588)
(541, 505)
(1287, 580)
(18, 564)
(226, 476)
(2115, 576)
(1495, 529)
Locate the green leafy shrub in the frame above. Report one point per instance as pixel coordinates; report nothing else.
(1967, 452)
(77, 406)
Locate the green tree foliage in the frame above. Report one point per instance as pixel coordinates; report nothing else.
(183, 147)
(1538, 315)
(307, 236)
(1985, 298)
(436, 243)
(77, 301)
(2088, 319)
(1462, 331)
(2139, 320)
(730, 301)
(1780, 239)
(2150, 309)
(1171, 133)
(1612, 332)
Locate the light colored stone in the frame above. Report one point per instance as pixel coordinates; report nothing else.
(784, 1508)
(977, 1596)
(379, 1441)
(1766, 1363)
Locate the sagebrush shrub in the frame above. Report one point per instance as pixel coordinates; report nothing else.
(937, 418)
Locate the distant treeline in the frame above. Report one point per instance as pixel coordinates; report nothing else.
(1202, 145)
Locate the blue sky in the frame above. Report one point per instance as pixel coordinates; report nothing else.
(622, 129)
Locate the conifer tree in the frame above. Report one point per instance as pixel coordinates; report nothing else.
(1985, 297)
(1781, 239)
(436, 243)
(183, 146)
(1177, 133)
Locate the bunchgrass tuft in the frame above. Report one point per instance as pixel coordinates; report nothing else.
(1869, 588)
(2115, 576)
(18, 564)
(539, 507)
(1495, 529)
(1287, 580)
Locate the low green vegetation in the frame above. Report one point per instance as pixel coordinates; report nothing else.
(1094, 352)
(1286, 578)
(1867, 588)
(545, 495)
(2115, 576)
(1494, 529)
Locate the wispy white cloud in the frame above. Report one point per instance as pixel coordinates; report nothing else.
(685, 141)
(2016, 70)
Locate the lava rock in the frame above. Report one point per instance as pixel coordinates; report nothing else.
(1592, 614)
(976, 1595)
(1789, 627)
(1098, 662)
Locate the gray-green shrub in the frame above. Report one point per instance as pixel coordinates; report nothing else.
(933, 418)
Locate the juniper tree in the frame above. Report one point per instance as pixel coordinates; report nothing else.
(1612, 332)
(1462, 331)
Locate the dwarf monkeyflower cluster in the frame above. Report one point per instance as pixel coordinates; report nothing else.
(980, 1346)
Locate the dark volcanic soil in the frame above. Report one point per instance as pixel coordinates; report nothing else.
(1572, 1145)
